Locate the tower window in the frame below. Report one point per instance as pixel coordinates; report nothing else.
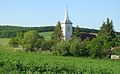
(68, 28)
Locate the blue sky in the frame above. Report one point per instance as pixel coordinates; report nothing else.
(85, 13)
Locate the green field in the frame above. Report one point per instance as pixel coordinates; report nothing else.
(46, 35)
(4, 41)
(21, 62)
(15, 62)
(4, 44)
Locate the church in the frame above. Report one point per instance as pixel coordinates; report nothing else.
(66, 27)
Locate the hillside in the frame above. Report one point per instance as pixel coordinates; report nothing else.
(11, 31)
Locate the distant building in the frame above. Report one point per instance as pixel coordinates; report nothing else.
(87, 35)
(66, 26)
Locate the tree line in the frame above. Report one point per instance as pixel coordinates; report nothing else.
(99, 47)
(11, 31)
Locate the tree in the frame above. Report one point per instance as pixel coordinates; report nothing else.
(57, 34)
(108, 34)
(101, 45)
(107, 30)
(16, 41)
(32, 41)
(76, 32)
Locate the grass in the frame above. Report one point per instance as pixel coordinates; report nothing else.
(47, 63)
(4, 41)
(46, 35)
(4, 44)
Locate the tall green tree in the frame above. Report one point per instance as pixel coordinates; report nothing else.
(101, 45)
(107, 30)
(57, 34)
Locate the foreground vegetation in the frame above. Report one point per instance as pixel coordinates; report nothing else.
(99, 47)
(20, 62)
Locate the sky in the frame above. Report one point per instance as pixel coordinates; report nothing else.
(35, 13)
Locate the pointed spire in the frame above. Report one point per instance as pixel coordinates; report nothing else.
(66, 18)
(66, 15)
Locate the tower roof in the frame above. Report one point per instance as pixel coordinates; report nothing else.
(66, 18)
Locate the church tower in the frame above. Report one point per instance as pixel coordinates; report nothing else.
(66, 26)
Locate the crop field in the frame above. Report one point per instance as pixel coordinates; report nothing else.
(15, 62)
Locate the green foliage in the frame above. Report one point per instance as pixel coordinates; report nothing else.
(78, 47)
(32, 41)
(37, 63)
(46, 35)
(76, 33)
(11, 31)
(57, 34)
(7, 34)
(99, 47)
(16, 41)
(61, 48)
(107, 29)
(102, 44)
(75, 47)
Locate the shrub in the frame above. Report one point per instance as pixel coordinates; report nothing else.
(61, 48)
(32, 41)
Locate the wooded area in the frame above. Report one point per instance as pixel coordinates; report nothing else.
(11, 31)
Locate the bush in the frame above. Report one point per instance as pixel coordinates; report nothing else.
(32, 41)
(75, 47)
(14, 42)
(99, 47)
(78, 48)
(61, 48)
